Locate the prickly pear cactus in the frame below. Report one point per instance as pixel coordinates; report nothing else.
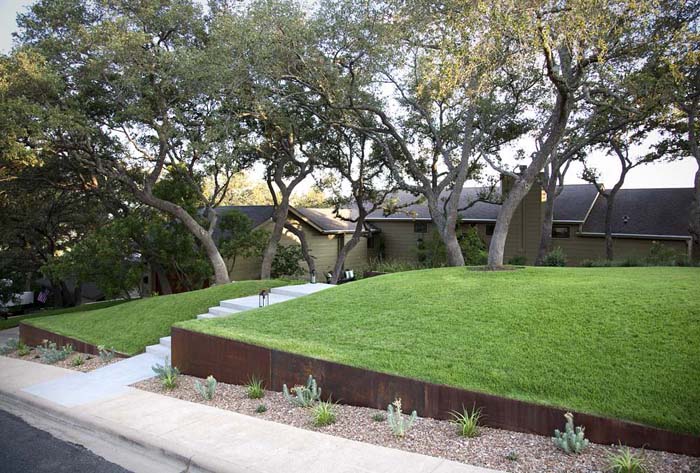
(572, 440)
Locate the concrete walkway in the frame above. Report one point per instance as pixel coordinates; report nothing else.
(206, 438)
(9, 334)
(231, 307)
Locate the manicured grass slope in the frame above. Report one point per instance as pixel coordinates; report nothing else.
(620, 342)
(131, 326)
(14, 321)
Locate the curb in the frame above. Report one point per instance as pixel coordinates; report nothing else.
(146, 445)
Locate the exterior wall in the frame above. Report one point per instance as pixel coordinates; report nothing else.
(400, 241)
(324, 248)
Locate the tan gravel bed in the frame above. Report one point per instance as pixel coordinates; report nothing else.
(91, 362)
(492, 449)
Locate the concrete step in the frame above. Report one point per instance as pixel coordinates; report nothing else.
(208, 316)
(158, 350)
(166, 341)
(253, 302)
(301, 289)
(222, 311)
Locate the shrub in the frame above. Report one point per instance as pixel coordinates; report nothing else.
(556, 257)
(324, 413)
(392, 265)
(207, 390)
(473, 248)
(379, 417)
(512, 456)
(517, 260)
(304, 396)
(626, 462)
(106, 354)
(255, 388)
(261, 408)
(397, 421)
(286, 261)
(467, 423)
(9, 346)
(572, 440)
(661, 255)
(50, 353)
(167, 374)
(78, 361)
(22, 349)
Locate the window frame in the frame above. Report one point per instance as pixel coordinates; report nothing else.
(561, 227)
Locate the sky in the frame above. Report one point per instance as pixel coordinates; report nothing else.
(674, 174)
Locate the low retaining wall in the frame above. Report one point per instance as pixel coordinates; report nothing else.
(34, 336)
(235, 362)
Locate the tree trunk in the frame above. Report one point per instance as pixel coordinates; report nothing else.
(695, 212)
(347, 248)
(610, 203)
(205, 238)
(559, 119)
(547, 220)
(306, 253)
(280, 218)
(446, 229)
(165, 288)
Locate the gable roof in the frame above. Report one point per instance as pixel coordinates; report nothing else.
(572, 205)
(322, 220)
(644, 212)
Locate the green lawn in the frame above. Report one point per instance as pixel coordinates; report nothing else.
(131, 326)
(14, 321)
(620, 342)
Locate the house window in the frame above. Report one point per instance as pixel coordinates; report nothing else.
(490, 227)
(420, 227)
(561, 231)
(370, 242)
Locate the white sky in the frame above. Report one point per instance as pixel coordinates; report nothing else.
(674, 174)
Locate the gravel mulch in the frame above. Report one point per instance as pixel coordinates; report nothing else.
(90, 362)
(498, 449)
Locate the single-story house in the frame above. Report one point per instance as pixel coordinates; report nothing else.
(641, 216)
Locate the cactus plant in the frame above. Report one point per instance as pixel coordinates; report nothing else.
(398, 423)
(572, 440)
(304, 396)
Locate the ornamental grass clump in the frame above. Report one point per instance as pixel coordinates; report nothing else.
(572, 440)
(625, 461)
(255, 389)
(399, 423)
(324, 413)
(167, 374)
(78, 360)
(206, 390)
(467, 422)
(10, 346)
(304, 396)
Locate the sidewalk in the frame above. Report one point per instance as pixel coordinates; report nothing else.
(209, 439)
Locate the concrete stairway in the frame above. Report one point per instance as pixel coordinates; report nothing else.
(233, 306)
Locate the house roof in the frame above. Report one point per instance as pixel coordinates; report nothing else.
(258, 214)
(571, 205)
(323, 220)
(647, 212)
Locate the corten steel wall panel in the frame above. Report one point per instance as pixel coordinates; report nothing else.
(34, 336)
(227, 360)
(231, 361)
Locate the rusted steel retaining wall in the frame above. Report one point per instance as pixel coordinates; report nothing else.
(235, 362)
(34, 336)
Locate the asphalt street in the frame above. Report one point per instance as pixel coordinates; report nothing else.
(25, 449)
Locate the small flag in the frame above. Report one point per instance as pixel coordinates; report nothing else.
(43, 296)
